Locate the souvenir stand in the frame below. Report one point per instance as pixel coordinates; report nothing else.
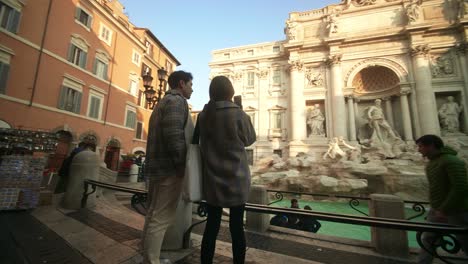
(23, 157)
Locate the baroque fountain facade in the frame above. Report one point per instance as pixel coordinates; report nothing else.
(338, 104)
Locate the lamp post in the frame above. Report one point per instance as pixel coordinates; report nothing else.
(153, 97)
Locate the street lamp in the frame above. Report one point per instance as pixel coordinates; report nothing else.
(151, 97)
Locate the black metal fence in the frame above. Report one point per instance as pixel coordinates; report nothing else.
(447, 239)
(353, 201)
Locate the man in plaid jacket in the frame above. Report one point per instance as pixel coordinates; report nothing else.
(165, 161)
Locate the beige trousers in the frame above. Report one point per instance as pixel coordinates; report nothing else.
(163, 196)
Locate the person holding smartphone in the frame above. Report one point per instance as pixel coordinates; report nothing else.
(225, 131)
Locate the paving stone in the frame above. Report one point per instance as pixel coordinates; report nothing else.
(24, 239)
(110, 228)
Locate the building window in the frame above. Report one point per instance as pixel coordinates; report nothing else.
(276, 49)
(130, 117)
(277, 129)
(70, 99)
(149, 48)
(276, 120)
(141, 98)
(9, 18)
(227, 55)
(95, 105)
(145, 69)
(100, 69)
(168, 66)
(276, 77)
(250, 52)
(105, 34)
(4, 71)
(83, 17)
(139, 130)
(136, 58)
(133, 87)
(77, 56)
(250, 79)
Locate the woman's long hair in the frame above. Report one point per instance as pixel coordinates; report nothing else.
(221, 89)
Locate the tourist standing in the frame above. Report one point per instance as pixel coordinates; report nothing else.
(448, 191)
(225, 131)
(166, 152)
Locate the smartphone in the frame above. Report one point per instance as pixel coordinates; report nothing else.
(238, 100)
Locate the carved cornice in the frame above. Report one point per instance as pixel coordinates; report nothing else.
(296, 65)
(334, 59)
(387, 98)
(420, 50)
(364, 2)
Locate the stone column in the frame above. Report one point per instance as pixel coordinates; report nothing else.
(351, 118)
(390, 242)
(256, 221)
(297, 120)
(356, 109)
(338, 101)
(415, 115)
(262, 113)
(405, 112)
(389, 110)
(425, 97)
(461, 52)
(85, 165)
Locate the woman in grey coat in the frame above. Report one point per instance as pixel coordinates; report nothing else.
(225, 131)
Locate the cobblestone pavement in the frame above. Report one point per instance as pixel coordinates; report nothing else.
(300, 250)
(24, 239)
(97, 236)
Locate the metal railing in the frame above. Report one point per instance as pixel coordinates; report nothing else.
(446, 233)
(138, 200)
(447, 240)
(353, 201)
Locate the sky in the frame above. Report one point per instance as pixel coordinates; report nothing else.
(192, 29)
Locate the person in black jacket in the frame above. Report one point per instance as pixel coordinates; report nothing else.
(64, 170)
(308, 223)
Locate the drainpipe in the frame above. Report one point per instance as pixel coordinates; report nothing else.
(110, 78)
(41, 51)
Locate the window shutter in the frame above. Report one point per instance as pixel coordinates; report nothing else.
(62, 98)
(90, 20)
(13, 21)
(133, 119)
(106, 68)
(95, 66)
(97, 105)
(139, 129)
(70, 52)
(76, 102)
(77, 13)
(83, 56)
(4, 69)
(94, 107)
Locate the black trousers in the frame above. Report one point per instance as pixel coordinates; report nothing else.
(236, 227)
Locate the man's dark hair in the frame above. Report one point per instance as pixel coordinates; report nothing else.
(307, 207)
(428, 140)
(178, 76)
(293, 201)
